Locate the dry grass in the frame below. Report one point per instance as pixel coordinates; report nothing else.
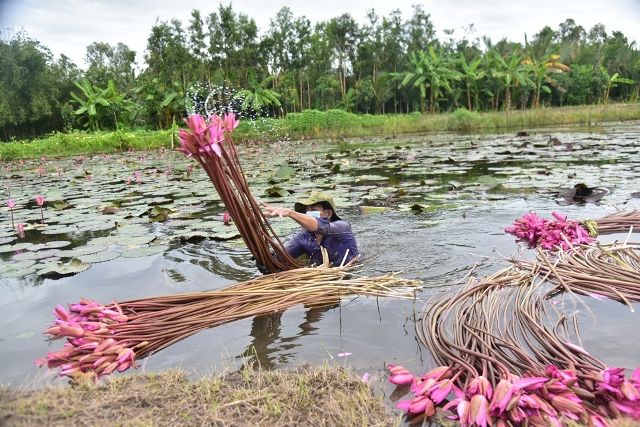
(319, 396)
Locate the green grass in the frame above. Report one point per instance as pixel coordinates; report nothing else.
(251, 397)
(326, 124)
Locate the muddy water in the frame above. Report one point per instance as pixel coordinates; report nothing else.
(448, 197)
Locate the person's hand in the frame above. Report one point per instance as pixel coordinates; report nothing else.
(272, 211)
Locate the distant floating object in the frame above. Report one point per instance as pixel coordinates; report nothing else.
(522, 133)
(581, 194)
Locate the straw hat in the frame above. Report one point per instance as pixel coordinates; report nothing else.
(317, 197)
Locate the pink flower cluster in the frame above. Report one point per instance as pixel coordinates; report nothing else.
(549, 234)
(551, 399)
(89, 350)
(204, 136)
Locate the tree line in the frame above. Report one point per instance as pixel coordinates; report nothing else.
(385, 65)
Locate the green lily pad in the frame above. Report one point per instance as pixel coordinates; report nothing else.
(58, 269)
(43, 254)
(276, 191)
(99, 257)
(82, 250)
(59, 205)
(16, 273)
(16, 247)
(285, 172)
(56, 244)
(372, 209)
(5, 240)
(20, 265)
(144, 251)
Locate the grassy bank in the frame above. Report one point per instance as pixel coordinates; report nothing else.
(320, 396)
(326, 124)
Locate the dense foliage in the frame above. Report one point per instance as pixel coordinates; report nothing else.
(386, 65)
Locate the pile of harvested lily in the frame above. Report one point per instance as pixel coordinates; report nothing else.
(507, 356)
(562, 233)
(611, 271)
(105, 338)
(210, 143)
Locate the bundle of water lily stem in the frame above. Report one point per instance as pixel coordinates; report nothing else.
(509, 355)
(211, 144)
(101, 339)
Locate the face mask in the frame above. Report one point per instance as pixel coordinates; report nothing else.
(314, 214)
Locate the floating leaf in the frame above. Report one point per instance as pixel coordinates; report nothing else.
(144, 251)
(372, 209)
(82, 250)
(14, 248)
(99, 257)
(59, 205)
(43, 254)
(56, 244)
(58, 269)
(285, 172)
(276, 191)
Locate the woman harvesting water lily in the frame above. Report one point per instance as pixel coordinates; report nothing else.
(323, 228)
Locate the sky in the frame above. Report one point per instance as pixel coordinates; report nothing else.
(68, 26)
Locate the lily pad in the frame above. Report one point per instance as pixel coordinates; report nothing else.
(43, 254)
(144, 251)
(56, 244)
(59, 269)
(372, 209)
(276, 191)
(99, 257)
(285, 172)
(82, 250)
(16, 247)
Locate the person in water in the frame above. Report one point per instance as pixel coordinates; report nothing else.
(322, 228)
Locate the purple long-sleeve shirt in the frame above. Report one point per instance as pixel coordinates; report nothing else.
(337, 237)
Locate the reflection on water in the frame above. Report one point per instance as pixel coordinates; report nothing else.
(268, 348)
(460, 226)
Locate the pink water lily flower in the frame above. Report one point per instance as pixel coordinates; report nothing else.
(11, 203)
(39, 200)
(230, 121)
(21, 230)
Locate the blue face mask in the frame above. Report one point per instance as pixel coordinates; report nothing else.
(314, 214)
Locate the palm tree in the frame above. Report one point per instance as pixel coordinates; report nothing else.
(539, 65)
(259, 96)
(471, 76)
(430, 70)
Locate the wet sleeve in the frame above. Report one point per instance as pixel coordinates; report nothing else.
(294, 246)
(325, 227)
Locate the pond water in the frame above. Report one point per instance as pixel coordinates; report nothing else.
(447, 199)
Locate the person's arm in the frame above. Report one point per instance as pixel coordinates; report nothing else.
(336, 228)
(306, 221)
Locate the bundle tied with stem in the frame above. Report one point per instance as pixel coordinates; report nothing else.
(103, 338)
(209, 141)
(509, 356)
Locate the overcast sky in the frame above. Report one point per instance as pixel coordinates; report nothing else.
(68, 26)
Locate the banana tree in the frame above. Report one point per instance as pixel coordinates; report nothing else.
(612, 81)
(433, 71)
(510, 73)
(471, 75)
(539, 67)
(90, 104)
